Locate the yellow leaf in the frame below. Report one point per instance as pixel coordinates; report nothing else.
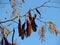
(51, 23)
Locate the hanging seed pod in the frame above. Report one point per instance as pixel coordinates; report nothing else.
(23, 31)
(23, 26)
(38, 12)
(28, 29)
(33, 24)
(22, 34)
(19, 27)
(30, 15)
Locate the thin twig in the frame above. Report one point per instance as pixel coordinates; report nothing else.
(13, 36)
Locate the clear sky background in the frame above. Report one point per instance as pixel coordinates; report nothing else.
(48, 14)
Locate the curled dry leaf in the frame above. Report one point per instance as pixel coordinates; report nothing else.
(42, 33)
(54, 30)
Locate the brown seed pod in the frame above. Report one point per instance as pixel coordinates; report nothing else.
(38, 12)
(33, 24)
(22, 34)
(28, 29)
(23, 31)
(19, 27)
(30, 15)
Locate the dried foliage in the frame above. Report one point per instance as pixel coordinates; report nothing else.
(29, 26)
(54, 30)
(42, 33)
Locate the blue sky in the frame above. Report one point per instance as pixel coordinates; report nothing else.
(48, 14)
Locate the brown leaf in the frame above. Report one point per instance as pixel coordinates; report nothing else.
(56, 31)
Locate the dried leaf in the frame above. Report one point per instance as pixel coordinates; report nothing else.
(43, 33)
(7, 32)
(52, 27)
(56, 31)
(51, 23)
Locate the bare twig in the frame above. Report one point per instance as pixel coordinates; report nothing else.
(13, 36)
